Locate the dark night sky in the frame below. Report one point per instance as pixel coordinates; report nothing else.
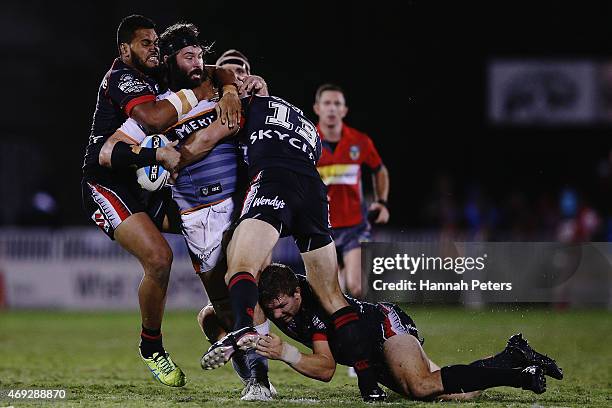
(415, 78)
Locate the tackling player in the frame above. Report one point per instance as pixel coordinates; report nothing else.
(286, 197)
(112, 197)
(402, 365)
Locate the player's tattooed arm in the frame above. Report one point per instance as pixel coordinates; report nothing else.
(228, 108)
(201, 142)
(320, 365)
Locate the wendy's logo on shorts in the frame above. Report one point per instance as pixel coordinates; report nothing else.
(273, 202)
(354, 152)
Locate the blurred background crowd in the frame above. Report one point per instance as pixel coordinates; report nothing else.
(499, 132)
(493, 120)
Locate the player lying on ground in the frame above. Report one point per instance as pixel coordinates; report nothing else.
(286, 197)
(205, 190)
(401, 364)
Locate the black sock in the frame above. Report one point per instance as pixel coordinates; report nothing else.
(465, 378)
(243, 296)
(503, 359)
(355, 344)
(150, 342)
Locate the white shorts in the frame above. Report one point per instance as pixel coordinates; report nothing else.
(203, 230)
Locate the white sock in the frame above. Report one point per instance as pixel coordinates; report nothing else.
(263, 328)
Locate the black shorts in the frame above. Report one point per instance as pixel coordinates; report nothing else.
(109, 203)
(292, 203)
(393, 321)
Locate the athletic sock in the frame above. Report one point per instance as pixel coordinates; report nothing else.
(500, 360)
(258, 366)
(243, 296)
(263, 329)
(465, 378)
(249, 365)
(355, 344)
(241, 366)
(150, 342)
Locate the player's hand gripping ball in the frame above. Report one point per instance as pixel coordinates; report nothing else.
(153, 177)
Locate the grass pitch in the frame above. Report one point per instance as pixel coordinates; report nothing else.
(93, 356)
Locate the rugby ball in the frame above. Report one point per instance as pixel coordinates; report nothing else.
(153, 177)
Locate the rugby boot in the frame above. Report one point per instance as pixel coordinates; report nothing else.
(273, 391)
(534, 379)
(376, 394)
(222, 351)
(524, 355)
(256, 391)
(163, 369)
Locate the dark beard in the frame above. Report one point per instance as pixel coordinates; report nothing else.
(180, 80)
(184, 81)
(141, 66)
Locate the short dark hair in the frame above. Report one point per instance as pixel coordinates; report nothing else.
(276, 280)
(129, 25)
(178, 36)
(327, 87)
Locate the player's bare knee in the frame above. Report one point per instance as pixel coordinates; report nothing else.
(204, 314)
(423, 387)
(422, 390)
(210, 324)
(158, 263)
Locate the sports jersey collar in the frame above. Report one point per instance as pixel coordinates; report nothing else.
(344, 132)
(119, 64)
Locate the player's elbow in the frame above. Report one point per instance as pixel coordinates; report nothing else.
(106, 152)
(326, 374)
(326, 377)
(154, 123)
(151, 118)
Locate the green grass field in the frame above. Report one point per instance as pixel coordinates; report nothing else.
(94, 357)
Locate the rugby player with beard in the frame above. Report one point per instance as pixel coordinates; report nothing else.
(205, 222)
(112, 197)
(206, 189)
